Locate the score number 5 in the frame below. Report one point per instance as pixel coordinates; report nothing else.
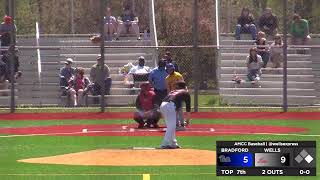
(245, 159)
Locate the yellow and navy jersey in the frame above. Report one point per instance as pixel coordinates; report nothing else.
(172, 79)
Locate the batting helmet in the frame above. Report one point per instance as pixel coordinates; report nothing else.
(169, 66)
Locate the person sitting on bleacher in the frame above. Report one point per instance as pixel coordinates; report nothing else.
(147, 105)
(100, 78)
(268, 22)
(110, 24)
(300, 31)
(246, 24)
(276, 51)
(66, 73)
(78, 87)
(140, 72)
(254, 64)
(262, 48)
(128, 23)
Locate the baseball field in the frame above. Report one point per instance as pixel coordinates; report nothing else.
(109, 146)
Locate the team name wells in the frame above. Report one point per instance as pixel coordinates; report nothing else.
(272, 150)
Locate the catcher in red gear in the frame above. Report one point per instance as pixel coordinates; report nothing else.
(147, 115)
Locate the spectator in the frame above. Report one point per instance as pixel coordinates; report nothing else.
(299, 31)
(6, 27)
(246, 24)
(157, 79)
(262, 48)
(147, 108)
(110, 24)
(254, 63)
(140, 72)
(140, 68)
(4, 83)
(78, 86)
(66, 73)
(128, 23)
(6, 59)
(276, 51)
(169, 59)
(268, 22)
(100, 78)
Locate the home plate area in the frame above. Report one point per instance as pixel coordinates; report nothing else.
(131, 130)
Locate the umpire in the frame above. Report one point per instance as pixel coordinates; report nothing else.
(157, 79)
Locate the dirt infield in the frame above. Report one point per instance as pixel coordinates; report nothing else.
(129, 115)
(130, 157)
(131, 130)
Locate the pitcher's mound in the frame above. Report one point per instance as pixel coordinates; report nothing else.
(131, 157)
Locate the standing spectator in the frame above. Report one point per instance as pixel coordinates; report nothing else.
(262, 48)
(246, 24)
(299, 31)
(110, 24)
(157, 79)
(6, 59)
(100, 78)
(66, 73)
(276, 51)
(127, 23)
(78, 85)
(147, 108)
(6, 27)
(268, 22)
(169, 109)
(168, 58)
(4, 83)
(254, 63)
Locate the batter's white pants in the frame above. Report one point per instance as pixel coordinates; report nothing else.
(168, 111)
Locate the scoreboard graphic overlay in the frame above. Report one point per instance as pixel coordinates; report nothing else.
(266, 158)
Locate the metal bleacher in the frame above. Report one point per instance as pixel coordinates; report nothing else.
(45, 91)
(301, 86)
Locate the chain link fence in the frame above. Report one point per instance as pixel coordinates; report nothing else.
(211, 58)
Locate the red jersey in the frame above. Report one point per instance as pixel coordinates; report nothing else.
(146, 101)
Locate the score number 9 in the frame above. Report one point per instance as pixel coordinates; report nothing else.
(283, 159)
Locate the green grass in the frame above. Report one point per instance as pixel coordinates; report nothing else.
(13, 149)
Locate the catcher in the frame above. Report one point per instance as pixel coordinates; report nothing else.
(147, 115)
